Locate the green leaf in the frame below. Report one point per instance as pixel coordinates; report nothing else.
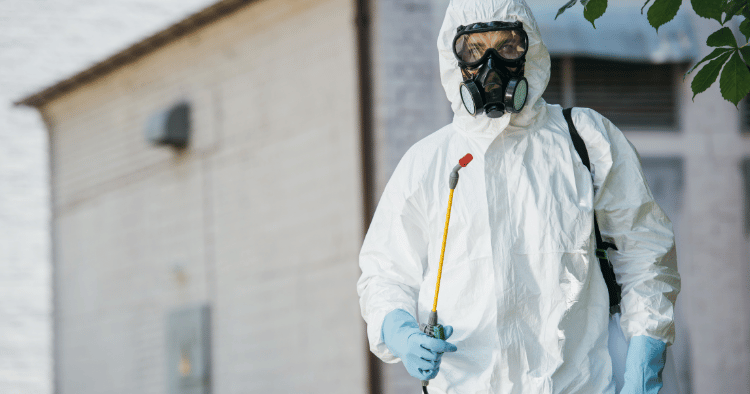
(710, 9)
(567, 5)
(735, 80)
(594, 9)
(745, 28)
(662, 11)
(722, 38)
(732, 8)
(708, 74)
(745, 51)
(712, 55)
(644, 6)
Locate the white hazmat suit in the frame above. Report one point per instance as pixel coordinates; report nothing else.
(521, 284)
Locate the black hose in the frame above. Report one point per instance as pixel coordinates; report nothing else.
(424, 389)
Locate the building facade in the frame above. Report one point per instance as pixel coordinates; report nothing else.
(258, 220)
(299, 112)
(39, 44)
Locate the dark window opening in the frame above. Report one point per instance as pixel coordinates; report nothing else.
(631, 95)
(745, 116)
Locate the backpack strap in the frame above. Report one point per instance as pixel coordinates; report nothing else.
(614, 288)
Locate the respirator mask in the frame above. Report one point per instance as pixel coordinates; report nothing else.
(492, 57)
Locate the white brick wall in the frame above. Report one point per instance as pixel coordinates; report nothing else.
(262, 213)
(42, 42)
(410, 102)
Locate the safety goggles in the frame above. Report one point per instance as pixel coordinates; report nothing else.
(475, 42)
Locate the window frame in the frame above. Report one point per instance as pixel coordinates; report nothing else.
(568, 92)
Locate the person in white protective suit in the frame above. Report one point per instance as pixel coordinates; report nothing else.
(521, 285)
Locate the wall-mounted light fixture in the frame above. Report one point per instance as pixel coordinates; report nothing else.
(170, 126)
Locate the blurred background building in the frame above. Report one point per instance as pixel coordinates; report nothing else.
(40, 42)
(212, 182)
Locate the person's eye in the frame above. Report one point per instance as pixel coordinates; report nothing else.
(505, 49)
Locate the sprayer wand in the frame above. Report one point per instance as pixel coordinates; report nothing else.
(432, 328)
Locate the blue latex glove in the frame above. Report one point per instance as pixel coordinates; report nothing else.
(643, 365)
(419, 352)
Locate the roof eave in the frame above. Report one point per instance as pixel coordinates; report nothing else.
(134, 52)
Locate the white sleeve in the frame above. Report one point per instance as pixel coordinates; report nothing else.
(394, 255)
(645, 262)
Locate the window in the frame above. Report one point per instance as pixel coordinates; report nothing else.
(745, 116)
(665, 177)
(631, 95)
(745, 168)
(554, 92)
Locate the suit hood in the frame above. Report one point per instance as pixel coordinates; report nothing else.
(537, 69)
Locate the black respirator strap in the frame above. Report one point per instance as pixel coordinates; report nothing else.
(482, 27)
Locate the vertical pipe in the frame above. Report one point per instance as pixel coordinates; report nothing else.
(568, 83)
(365, 107)
(364, 66)
(55, 353)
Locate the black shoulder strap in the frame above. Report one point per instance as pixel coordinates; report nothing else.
(614, 288)
(577, 140)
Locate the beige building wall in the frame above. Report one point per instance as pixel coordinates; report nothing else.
(261, 217)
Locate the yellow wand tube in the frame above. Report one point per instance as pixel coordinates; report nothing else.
(432, 328)
(442, 251)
